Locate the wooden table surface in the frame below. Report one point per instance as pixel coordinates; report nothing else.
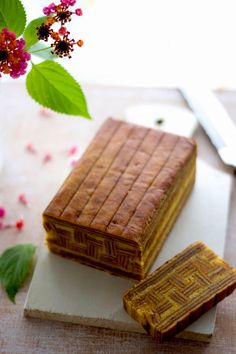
(24, 173)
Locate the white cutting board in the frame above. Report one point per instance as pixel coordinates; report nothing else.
(176, 120)
(68, 291)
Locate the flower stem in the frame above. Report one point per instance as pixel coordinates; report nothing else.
(39, 50)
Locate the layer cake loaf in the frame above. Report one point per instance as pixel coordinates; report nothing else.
(180, 291)
(118, 204)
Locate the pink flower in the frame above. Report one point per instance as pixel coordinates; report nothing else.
(62, 44)
(46, 11)
(62, 31)
(68, 2)
(79, 12)
(13, 58)
(52, 7)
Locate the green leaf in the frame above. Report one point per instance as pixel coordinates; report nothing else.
(49, 84)
(14, 267)
(30, 31)
(12, 16)
(42, 51)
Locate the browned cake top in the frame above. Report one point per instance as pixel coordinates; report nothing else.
(170, 297)
(122, 179)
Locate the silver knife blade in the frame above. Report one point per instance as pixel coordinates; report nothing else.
(215, 120)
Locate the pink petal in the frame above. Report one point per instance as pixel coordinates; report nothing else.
(79, 12)
(46, 11)
(45, 113)
(30, 148)
(73, 163)
(47, 157)
(2, 212)
(22, 199)
(20, 224)
(62, 31)
(73, 150)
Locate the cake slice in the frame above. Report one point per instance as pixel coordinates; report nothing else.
(117, 206)
(180, 291)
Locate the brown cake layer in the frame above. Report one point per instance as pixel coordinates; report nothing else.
(118, 204)
(180, 291)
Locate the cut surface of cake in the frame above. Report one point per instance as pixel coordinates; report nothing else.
(180, 291)
(120, 201)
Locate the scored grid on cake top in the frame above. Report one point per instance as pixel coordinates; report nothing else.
(121, 179)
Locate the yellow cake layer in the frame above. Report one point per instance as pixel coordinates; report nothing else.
(173, 206)
(180, 291)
